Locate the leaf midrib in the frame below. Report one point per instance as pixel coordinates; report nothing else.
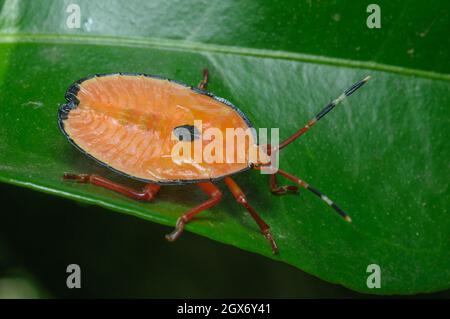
(190, 46)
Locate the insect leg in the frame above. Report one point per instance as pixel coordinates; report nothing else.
(147, 194)
(281, 190)
(203, 85)
(317, 193)
(215, 196)
(241, 199)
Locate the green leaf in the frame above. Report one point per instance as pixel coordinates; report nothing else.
(383, 156)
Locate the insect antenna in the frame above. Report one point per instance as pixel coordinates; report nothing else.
(324, 112)
(317, 193)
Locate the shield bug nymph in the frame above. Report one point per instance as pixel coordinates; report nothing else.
(131, 122)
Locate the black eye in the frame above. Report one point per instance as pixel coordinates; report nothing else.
(186, 133)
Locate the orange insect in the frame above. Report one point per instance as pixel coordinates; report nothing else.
(131, 124)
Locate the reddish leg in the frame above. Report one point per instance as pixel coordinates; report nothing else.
(204, 83)
(274, 188)
(147, 194)
(241, 199)
(281, 190)
(215, 196)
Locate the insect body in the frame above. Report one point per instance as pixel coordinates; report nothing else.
(131, 123)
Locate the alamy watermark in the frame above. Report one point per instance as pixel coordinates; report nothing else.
(73, 20)
(74, 278)
(374, 19)
(374, 279)
(231, 145)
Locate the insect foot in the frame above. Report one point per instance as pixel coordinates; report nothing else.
(286, 189)
(178, 229)
(80, 178)
(272, 242)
